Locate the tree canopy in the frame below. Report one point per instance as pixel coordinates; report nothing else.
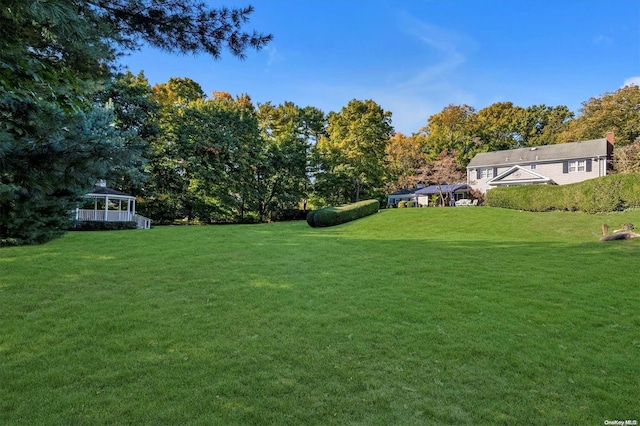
(56, 137)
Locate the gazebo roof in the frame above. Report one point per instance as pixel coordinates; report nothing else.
(103, 191)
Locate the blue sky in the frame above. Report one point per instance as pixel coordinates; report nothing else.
(415, 57)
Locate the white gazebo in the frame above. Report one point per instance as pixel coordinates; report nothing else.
(110, 205)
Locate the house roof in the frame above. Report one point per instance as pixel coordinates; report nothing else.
(404, 192)
(558, 152)
(433, 189)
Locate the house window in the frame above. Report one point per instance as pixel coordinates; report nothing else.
(486, 173)
(534, 166)
(577, 166)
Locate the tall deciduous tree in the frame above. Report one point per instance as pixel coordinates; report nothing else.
(136, 113)
(618, 111)
(354, 151)
(404, 158)
(497, 126)
(541, 125)
(205, 161)
(452, 129)
(283, 177)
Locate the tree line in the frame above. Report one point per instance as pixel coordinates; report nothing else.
(69, 119)
(218, 158)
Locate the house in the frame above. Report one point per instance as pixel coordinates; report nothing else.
(402, 195)
(110, 205)
(451, 193)
(559, 164)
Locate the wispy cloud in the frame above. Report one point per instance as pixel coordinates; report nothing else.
(273, 55)
(632, 81)
(603, 40)
(445, 51)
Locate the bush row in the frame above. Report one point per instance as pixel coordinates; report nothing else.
(605, 194)
(91, 225)
(330, 216)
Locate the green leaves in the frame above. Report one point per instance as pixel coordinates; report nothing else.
(355, 148)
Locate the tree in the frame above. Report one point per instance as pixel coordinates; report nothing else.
(54, 56)
(618, 111)
(177, 91)
(205, 161)
(497, 126)
(354, 151)
(177, 26)
(136, 113)
(445, 170)
(541, 125)
(47, 171)
(404, 159)
(283, 178)
(627, 158)
(452, 129)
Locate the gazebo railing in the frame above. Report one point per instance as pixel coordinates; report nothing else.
(142, 222)
(99, 215)
(113, 216)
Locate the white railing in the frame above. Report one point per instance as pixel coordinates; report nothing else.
(99, 215)
(113, 216)
(142, 222)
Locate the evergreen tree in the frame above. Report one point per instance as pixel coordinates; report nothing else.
(54, 56)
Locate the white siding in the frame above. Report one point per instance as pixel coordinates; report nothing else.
(553, 170)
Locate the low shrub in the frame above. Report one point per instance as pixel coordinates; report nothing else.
(310, 218)
(91, 225)
(289, 214)
(599, 195)
(331, 216)
(402, 204)
(411, 203)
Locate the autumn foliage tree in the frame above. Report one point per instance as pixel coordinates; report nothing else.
(404, 158)
(617, 111)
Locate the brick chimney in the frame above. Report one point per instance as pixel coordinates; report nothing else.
(610, 137)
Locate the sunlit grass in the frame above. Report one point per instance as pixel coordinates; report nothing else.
(412, 316)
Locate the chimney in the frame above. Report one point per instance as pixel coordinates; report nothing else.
(610, 137)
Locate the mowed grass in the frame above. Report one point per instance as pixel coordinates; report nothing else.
(410, 316)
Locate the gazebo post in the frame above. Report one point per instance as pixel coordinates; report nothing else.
(106, 208)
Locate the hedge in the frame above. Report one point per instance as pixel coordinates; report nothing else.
(605, 194)
(91, 225)
(331, 216)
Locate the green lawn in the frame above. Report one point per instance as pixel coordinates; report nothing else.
(410, 316)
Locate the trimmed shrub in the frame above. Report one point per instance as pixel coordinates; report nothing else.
(402, 204)
(331, 216)
(605, 194)
(91, 225)
(411, 203)
(310, 219)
